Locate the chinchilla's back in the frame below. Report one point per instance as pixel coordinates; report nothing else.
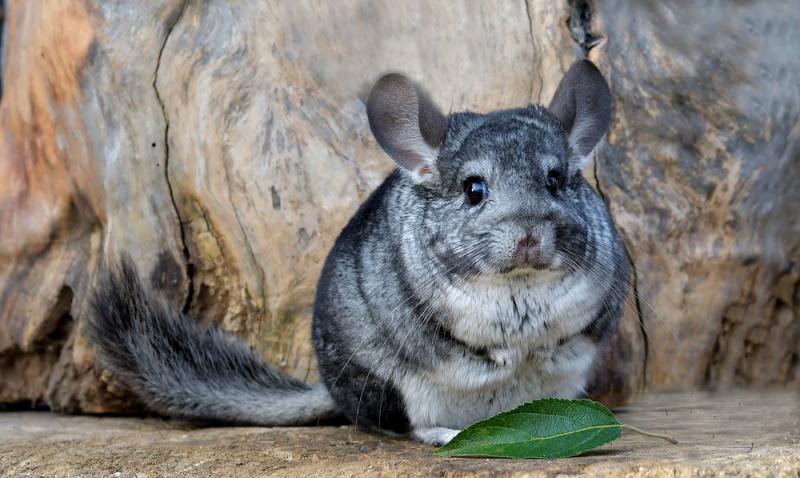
(363, 295)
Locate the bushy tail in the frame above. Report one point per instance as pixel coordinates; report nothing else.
(180, 369)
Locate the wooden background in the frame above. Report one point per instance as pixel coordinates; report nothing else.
(224, 144)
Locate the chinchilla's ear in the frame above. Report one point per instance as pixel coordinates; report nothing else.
(406, 123)
(582, 103)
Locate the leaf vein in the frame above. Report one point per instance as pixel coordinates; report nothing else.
(559, 435)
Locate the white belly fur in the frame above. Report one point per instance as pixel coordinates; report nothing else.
(432, 403)
(465, 389)
(488, 314)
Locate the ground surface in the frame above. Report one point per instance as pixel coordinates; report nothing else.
(732, 434)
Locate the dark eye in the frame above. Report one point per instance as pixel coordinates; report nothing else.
(553, 181)
(476, 190)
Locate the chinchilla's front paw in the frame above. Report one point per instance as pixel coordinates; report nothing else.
(506, 358)
(436, 436)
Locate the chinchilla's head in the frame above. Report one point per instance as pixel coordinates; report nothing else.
(503, 191)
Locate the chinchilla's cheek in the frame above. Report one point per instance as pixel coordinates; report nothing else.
(549, 245)
(497, 252)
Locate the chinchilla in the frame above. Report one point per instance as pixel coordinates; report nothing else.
(483, 273)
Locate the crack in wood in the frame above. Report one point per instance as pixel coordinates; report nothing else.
(186, 256)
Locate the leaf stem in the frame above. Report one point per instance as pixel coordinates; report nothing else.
(649, 434)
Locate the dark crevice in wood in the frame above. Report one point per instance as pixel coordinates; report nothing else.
(639, 314)
(21, 390)
(186, 256)
(24, 406)
(580, 27)
(59, 322)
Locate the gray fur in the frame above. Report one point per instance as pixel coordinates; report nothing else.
(426, 317)
(179, 369)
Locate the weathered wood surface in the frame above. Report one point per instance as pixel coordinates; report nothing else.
(702, 172)
(224, 145)
(739, 434)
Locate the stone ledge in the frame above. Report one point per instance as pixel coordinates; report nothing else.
(741, 433)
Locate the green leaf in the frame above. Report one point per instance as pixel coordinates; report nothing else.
(550, 428)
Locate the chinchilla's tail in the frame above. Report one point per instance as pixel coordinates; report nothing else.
(179, 369)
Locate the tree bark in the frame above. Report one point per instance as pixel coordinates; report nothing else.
(702, 170)
(223, 146)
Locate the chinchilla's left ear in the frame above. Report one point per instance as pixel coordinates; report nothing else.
(582, 103)
(407, 125)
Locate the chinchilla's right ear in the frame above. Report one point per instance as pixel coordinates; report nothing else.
(407, 125)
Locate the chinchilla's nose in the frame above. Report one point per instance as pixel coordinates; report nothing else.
(527, 249)
(529, 241)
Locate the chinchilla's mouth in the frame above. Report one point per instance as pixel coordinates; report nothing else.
(527, 268)
(527, 264)
(503, 276)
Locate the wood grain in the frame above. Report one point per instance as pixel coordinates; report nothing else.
(733, 434)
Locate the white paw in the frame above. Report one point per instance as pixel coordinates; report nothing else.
(506, 358)
(436, 436)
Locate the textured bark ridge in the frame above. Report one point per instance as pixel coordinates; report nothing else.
(224, 145)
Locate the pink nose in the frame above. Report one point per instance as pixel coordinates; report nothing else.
(527, 247)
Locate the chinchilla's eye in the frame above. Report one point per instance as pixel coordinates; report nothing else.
(476, 190)
(553, 181)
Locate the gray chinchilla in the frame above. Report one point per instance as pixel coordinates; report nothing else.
(483, 273)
